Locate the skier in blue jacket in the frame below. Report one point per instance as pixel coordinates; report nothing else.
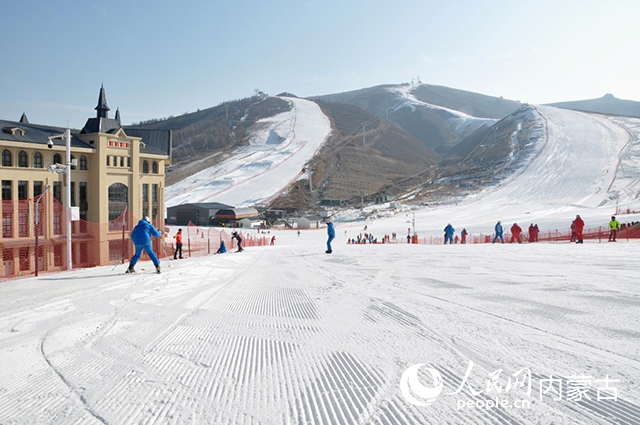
(449, 231)
(141, 238)
(222, 249)
(499, 231)
(331, 233)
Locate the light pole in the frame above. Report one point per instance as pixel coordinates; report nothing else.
(58, 168)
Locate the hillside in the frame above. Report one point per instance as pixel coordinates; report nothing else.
(607, 104)
(353, 166)
(437, 116)
(205, 138)
(278, 147)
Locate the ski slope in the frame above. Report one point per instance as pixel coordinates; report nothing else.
(459, 121)
(574, 169)
(289, 335)
(279, 148)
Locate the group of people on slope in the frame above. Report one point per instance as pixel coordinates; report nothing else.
(516, 233)
(141, 238)
(450, 235)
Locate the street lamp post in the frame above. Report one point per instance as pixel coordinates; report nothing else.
(66, 169)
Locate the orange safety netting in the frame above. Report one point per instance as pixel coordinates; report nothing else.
(34, 239)
(601, 234)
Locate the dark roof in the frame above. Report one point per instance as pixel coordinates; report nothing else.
(206, 205)
(100, 125)
(39, 134)
(155, 141)
(118, 116)
(24, 119)
(102, 102)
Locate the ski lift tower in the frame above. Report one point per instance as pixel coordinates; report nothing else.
(65, 169)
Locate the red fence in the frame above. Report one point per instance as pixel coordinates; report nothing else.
(601, 234)
(34, 239)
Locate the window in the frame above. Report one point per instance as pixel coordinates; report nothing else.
(154, 167)
(83, 192)
(6, 190)
(154, 193)
(73, 167)
(37, 188)
(83, 162)
(129, 162)
(23, 159)
(23, 191)
(57, 191)
(108, 160)
(84, 206)
(118, 201)
(57, 159)
(122, 161)
(145, 199)
(154, 213)
(37, 160)
(73, 194)
(6, 158)
(145, 167)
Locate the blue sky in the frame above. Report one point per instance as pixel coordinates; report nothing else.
(160, 58)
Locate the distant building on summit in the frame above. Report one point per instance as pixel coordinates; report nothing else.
(116, 168)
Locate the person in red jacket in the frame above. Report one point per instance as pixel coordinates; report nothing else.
(463, 236)
(532, 233)
(579, 225)
(516, 231)
(178, 238)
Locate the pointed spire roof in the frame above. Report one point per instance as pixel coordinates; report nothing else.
(118, 116)
(102, 108)
(24, 119)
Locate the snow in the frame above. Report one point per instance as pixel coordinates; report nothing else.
(287, 334)
(569, 173)
(278, 150)
(459, 121)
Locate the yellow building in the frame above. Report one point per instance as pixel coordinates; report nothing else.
(116, 169)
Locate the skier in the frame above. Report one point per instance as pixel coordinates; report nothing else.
(237, 237)
(516, 231)
(449, 231)
(409, 238)
(222, 248)
(141, 238)
(178, 238)
(273, 240)
(532, 233)
(573, 231)
(614, 226)
(499, 231)
(298, 233)
(579, 224)
(537, 232)
(463, 234)
(331, 234)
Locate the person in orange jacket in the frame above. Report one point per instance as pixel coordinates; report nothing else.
(516, 231)
(178, 238)
(579, 225)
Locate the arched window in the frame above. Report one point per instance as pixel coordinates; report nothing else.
(154, 167)
(83, 162)
(23, 159)
(145, 167)
(118, 200)
(57, 159)
(73, 167)
(6, 158)
(37, 160)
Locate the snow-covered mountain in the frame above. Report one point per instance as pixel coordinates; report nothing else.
(278, 149)
(438, 116)
(579, 164)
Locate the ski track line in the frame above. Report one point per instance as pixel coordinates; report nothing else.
(626, 359)
(78, 396)
(631, 137)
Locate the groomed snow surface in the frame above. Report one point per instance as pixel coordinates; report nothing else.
(288, 334)
(254, 174)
